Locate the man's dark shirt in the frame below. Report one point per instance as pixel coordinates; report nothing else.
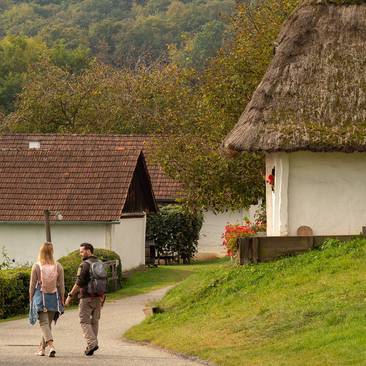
(83, 276)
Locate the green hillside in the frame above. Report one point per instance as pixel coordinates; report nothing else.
(122, 32)
(305, 310)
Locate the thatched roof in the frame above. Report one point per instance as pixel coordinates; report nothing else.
(313, 95)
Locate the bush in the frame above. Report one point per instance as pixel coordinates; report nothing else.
(14, 283)
(175, 230)
(233, 232)
(14, 288)
(5, 261)
(72, 261)
(231, 235)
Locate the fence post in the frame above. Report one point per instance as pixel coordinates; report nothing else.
(244, 250)
(240, 251)
(255, 249)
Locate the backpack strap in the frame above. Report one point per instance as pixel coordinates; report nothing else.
(89, 262)
(38, 271)
(90, 269)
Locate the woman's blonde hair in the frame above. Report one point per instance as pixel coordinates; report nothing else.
(45, 255)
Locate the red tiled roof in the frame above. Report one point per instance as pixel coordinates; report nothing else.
(84, 185)
(165, 188)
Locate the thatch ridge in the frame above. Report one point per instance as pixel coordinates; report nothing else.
(313, 95)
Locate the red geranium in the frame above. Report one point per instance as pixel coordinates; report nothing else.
(232, 233)
(270, 180)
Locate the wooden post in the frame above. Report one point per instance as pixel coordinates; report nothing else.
(47, 224)
(244, 250)
(240, 251)
(247, 244)
(255, 247)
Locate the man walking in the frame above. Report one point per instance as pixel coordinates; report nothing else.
(90, 285)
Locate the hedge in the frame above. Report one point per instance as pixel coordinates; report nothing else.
(72, 261)
(14, 288)
(175, 230)
(14, 283)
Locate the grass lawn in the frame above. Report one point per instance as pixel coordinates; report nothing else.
(305, 310)
(149, 279)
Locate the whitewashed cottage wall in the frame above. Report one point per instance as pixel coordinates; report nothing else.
(326, 191)
(128, 240)
(22, 241)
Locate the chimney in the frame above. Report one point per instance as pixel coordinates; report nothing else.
(34, 145)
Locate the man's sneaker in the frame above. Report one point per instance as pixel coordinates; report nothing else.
(40, 352)
(90, 352)
(52, 352)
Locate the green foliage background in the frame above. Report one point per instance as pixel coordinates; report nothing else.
(14, 289)
(72, 261)
(121, 32)
(175, 230)
(14, 283)
(192, 93)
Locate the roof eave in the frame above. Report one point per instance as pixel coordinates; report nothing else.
(63, 222)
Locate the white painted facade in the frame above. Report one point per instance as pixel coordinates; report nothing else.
(325, 191)
(213, 227)
(127, 238)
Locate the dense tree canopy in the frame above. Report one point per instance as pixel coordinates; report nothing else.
(192, 107)
(102, 99)
(120, 32)
(19, 53)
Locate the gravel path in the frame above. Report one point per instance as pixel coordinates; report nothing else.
(18, 340)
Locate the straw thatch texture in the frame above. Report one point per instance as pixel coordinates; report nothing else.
(313, 95)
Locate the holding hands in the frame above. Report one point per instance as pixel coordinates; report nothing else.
(68, 300)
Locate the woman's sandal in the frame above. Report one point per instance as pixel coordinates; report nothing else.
(52, 352)
(40, 352)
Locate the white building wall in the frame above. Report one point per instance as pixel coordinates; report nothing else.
(277, 199)
(213, 227)
(22, 241)
(128, 240)
(326, 191)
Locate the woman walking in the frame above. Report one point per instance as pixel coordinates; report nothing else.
(46, 295)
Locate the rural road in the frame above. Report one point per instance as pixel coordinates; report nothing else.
(19, 340)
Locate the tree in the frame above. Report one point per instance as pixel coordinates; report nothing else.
(175, 230)
(198, 51)
(102, 99)
(192, 111)
(117, 31)
(232, 77)
(19, 53)
(226, 86)
(74, 60)
(16, 54)
(56, 100)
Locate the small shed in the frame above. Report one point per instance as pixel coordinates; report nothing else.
(103, 196)
(308, 115)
